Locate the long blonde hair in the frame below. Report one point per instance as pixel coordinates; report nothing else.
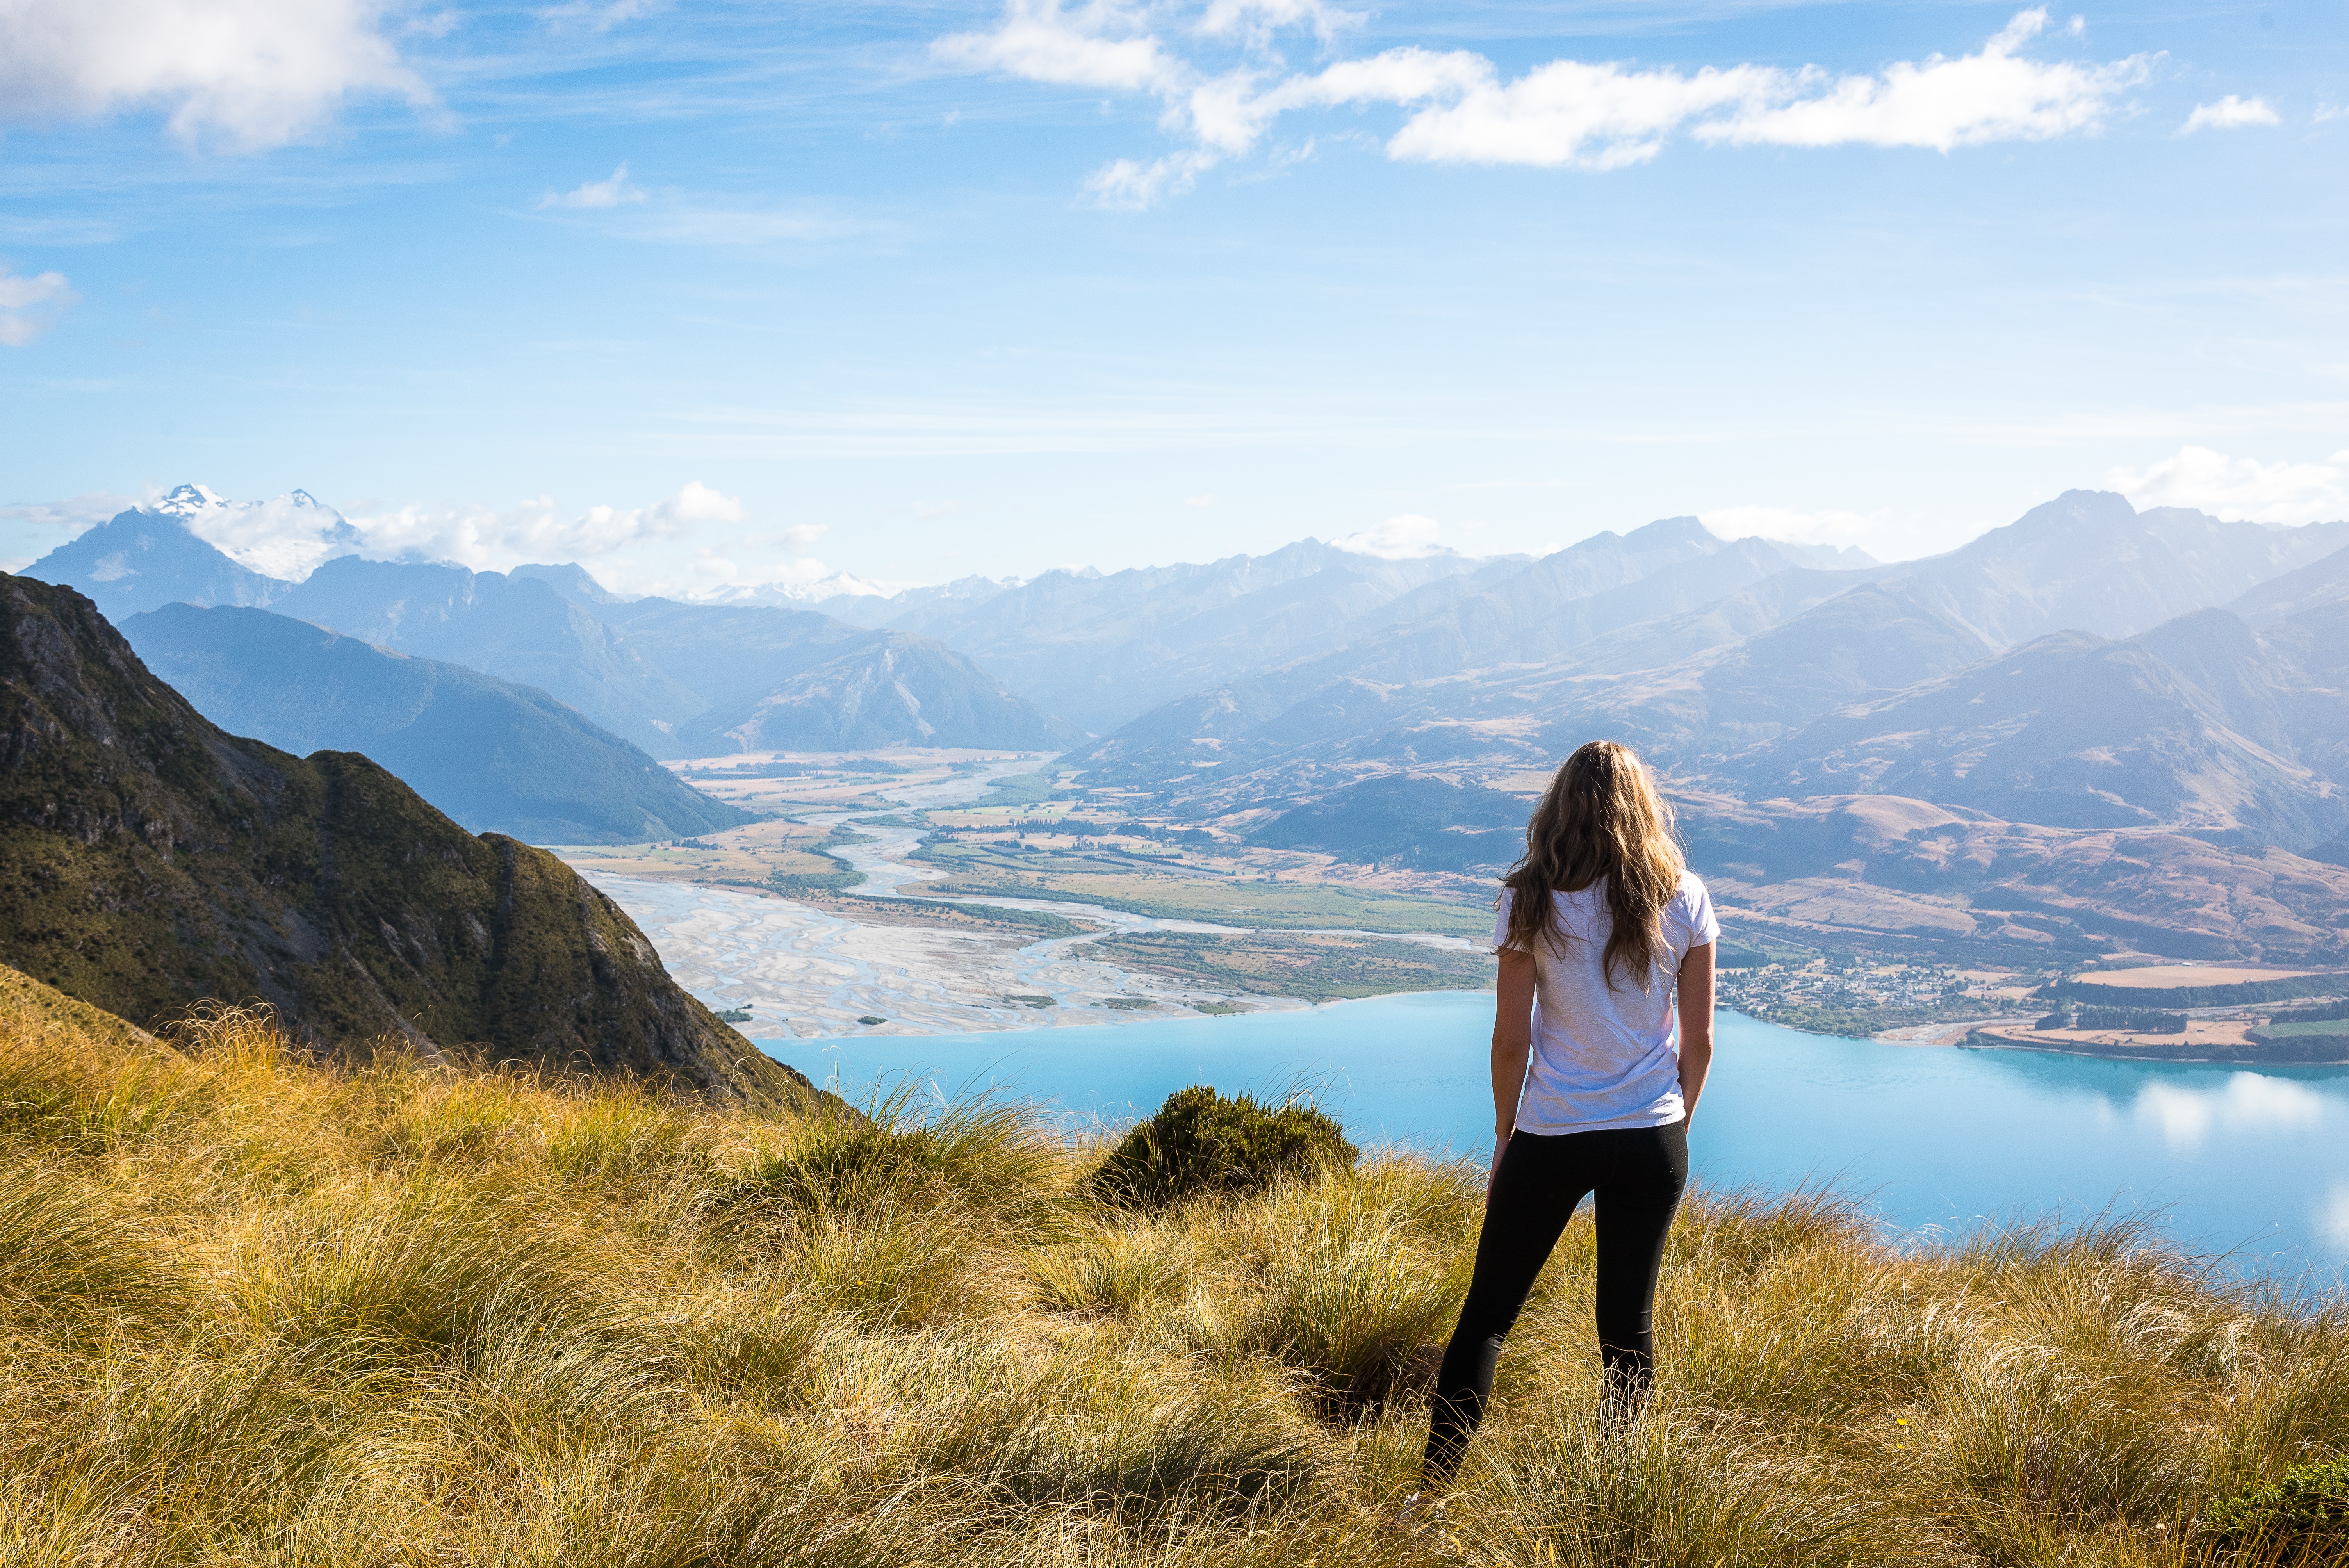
(1601, 817)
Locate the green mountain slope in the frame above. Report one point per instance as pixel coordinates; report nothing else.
(496, 756)
(149, 860)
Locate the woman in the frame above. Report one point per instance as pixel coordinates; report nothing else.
(1600, 925)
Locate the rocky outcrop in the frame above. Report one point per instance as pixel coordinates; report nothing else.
(148, 860)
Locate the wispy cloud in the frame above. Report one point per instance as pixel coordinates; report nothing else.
(1406, 538)
(599, 15)
(242, 75)
(1127, 186)
(1573, 114)
(485, 537)
(1885, 535)
(2241, 489)
(28, 304)
(30, 529)
(595, 194)
(2230, 113)
(1096, 45)
(1836, 528)
(678, 217)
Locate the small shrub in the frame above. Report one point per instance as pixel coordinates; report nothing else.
(1201, 1141)
(2308, 1504)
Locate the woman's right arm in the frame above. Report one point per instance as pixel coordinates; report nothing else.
(1696, 1025)
(1513, 1044)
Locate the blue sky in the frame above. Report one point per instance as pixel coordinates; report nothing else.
(710, 292)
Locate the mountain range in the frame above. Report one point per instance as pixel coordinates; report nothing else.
(495, 756)
(2161, 683)
(673, 678)
(2088, 687)
(148, 556)
(1723, 691)
(149, 860)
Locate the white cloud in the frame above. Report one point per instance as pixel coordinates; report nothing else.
(1997, 95)
(1405, 538)
(1096, 45)
(28, 304)
(1836, 528)
(2249, 1103)
(2230, 113)
(1563, 114)
(244, 75)
(487, 538)
(286, 537)
(1258, 20)
(596, 193)
(1885, 535)
(1126, 186)
(30, 529)
(2332, 1216)
(1568, 113)
(714, 579)
(2240, 488)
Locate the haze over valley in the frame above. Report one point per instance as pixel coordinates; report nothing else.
(2093, 735)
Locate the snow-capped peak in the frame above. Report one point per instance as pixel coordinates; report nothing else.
(187, 501)
(284, 538)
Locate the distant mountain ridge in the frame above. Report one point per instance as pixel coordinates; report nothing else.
(148, 557)
(1949, 690)
(148, 860)
(516, 628)
(494, 755)
(779, 676)
(1099, 648)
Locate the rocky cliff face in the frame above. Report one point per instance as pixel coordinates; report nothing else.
(149, 860)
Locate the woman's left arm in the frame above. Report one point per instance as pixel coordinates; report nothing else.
(1696, 1025)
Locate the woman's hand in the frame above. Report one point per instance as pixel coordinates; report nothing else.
(1500, 1147)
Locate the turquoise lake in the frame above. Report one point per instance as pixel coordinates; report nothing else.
(2250, 1163)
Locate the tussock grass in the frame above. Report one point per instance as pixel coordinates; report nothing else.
(258, 1310)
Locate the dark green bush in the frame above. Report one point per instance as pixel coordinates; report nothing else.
(1202, 1142)
(2307, 1504)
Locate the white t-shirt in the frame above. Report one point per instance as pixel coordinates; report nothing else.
(1606, 1055)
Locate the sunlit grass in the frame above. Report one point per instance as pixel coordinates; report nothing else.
(258, 1310)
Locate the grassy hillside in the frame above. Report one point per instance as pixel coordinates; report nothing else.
(254, 1312)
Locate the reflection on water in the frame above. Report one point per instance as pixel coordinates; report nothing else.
(2246, 1102)
(2331, 1217)
(2250, 1164)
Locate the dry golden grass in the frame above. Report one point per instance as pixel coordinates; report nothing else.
(257, 1311)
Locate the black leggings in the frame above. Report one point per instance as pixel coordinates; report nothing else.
(1637, 1173)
